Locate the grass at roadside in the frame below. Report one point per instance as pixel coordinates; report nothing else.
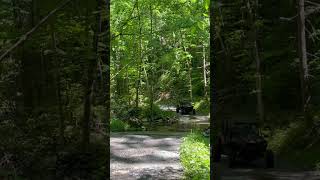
(117, 125)
(195, 156)
(202, 107)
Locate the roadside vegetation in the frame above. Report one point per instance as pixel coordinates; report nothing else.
(297, 144)
(195, 156)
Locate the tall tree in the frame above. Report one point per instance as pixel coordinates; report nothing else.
(107, 99)
(302, 49)
(254, 23)
(213, 97)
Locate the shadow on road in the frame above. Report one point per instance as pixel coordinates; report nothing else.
(254, 171)
(145, 156)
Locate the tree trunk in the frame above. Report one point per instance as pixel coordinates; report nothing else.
(92, 71)
(302, 49)
(214, 169)
(260, 105)
(189, 63)
(253, 13)
(87, 110)
(140, 57)
(190, 79)
(204, 71)
(107, 57)
(61, 117)
(151, 82)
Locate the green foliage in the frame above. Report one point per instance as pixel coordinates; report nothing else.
(202, 106)
(43, 91)
(157, 63)
(285, 138)
(297, 144)
(195, 156)
(117, 125)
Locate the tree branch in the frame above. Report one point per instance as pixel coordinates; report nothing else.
(313, 3)
(313, 55)
(288, 19)
(26, 36)
(312, 9)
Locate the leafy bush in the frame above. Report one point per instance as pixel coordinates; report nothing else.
(195, 156)
(202, 106)
(284, 140)
(157, 113)
(117, 125)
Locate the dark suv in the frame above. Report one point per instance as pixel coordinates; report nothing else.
(185, 108)
(242, 141)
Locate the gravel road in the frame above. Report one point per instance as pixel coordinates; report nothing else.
(145, 156)
(155, 155)
(256, 172)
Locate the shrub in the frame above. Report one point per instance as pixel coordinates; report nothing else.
(284, 140)
(117, 125)
(157, 113)
(195, 156)
(202, 107)
(297, 145)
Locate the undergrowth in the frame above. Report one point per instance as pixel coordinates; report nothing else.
(195, 156)
(202, 107)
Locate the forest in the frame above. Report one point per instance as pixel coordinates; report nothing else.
(128, 89)
(53, 106)
(158, 57)
(267, 69)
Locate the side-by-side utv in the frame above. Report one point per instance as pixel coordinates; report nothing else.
(243, 141)
(185, 108)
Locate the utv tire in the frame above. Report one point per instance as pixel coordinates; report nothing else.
(269, 159)
(193, 111)
(217, 152)
(232, 160)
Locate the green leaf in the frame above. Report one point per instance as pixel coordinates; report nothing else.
(207, 4)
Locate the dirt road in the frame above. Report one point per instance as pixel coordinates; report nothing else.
(145, 156)
(255, 171)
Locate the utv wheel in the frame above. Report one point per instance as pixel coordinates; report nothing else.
(217, 152)
(231, 160)
(177, 110)
(193, 111)
(269, 159)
